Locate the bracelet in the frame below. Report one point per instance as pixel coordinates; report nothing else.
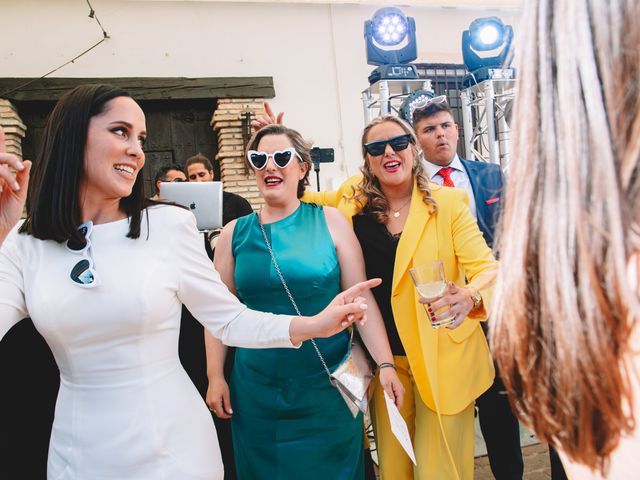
(387, 365)
(476, 298)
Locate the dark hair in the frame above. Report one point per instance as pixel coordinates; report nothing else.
(54, 208)
(302, 146)
(198, 158)
(161, 174)
(429, 111)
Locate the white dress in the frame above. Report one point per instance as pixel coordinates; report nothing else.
(126, 408)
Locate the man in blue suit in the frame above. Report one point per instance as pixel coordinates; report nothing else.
(437, 135)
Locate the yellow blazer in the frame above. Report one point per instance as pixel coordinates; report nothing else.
(451, 368)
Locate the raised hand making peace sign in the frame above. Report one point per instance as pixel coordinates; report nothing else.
(267, 119)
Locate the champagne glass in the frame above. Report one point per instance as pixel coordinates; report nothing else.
(431, 284)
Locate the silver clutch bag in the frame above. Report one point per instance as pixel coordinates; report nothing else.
(353, 376)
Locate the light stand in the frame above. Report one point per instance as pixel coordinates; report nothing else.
(318, 156)
(316, 168)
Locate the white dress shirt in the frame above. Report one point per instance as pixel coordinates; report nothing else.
(458, 175)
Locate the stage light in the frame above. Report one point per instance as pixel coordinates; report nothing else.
(419, 98)
(389, 28)
(487, 33)
(486, 46)
(390, 37)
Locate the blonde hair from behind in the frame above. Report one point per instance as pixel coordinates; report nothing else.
(564, 307)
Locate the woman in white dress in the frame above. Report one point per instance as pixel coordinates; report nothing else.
(102, 272)
(566, 323)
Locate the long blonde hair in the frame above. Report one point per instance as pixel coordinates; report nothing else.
(369, 193)
(564, 307)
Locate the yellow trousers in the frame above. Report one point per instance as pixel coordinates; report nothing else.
(443, 444)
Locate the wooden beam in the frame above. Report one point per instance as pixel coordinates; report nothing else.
(142, 88)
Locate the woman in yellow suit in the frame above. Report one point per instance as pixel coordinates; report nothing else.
(402, 220)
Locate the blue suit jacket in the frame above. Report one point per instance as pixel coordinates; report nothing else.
(486, 182)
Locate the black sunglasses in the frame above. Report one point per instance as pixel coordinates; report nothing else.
(83, 273)
(281, 158)
(398, 144)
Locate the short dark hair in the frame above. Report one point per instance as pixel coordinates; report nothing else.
(161, 174)
(429, 111)
(53, 205)
(198, 158)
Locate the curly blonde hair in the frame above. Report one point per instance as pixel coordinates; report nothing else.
(369, 193)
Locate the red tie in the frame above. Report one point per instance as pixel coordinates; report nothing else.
(445, 173)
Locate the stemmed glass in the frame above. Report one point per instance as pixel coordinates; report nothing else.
(431, 282)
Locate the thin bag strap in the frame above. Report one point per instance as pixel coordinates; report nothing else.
(286, 288)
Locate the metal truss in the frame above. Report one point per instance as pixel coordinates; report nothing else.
(486, 113)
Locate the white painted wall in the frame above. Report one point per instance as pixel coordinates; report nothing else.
(314, 52)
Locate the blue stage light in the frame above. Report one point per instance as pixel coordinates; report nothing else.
(419, 98)
(389, 26)
(486, 44)
(487, 33)
(390, 37)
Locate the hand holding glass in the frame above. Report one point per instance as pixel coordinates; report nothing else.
(431, 283)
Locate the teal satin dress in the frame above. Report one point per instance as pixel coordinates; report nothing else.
(288, 421)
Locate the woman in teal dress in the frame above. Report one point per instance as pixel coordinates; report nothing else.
(288, 421)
